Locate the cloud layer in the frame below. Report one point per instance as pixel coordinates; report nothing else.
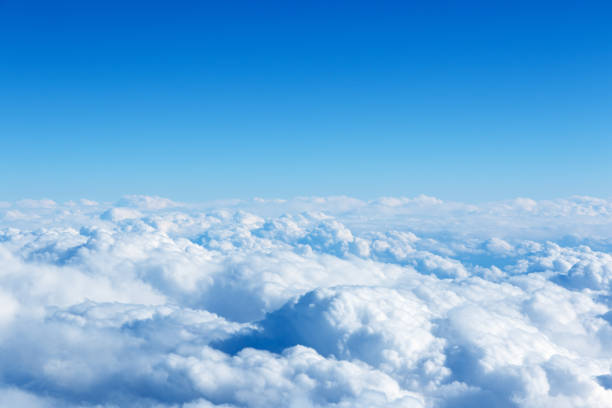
(309, 302)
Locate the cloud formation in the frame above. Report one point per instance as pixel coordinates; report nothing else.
(308, 302)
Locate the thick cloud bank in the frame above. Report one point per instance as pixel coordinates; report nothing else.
(309, 302)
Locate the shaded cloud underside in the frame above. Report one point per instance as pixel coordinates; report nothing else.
(309, 302)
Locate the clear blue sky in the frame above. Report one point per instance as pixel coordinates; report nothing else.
(195, 100)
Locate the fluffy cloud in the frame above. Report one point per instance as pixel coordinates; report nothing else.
(308, 302)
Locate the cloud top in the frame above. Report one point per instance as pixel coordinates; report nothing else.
(306, 302)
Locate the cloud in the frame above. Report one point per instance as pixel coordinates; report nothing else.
(86, 202)
(306, 302)
(29, 203)
(146, 202)
(120, 214)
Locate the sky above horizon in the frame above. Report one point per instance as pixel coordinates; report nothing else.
(196, 101)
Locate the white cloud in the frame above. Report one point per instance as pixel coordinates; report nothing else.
(86, 202)
(307, 302)
(146, 202)
(29, 203)
(120, 214)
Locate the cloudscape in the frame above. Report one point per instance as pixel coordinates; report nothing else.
(320, 204)
(309, 302)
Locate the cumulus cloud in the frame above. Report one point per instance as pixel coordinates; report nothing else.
(306, 302)
(29, 203)
(120, 214)
(146, 202)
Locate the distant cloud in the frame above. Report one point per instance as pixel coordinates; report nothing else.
(146, 202)
(29, 203)
(120, 214)
(87, 202)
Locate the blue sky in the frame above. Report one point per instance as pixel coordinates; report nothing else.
(467, 101)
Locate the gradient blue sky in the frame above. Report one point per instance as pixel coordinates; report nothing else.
(463, 100)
